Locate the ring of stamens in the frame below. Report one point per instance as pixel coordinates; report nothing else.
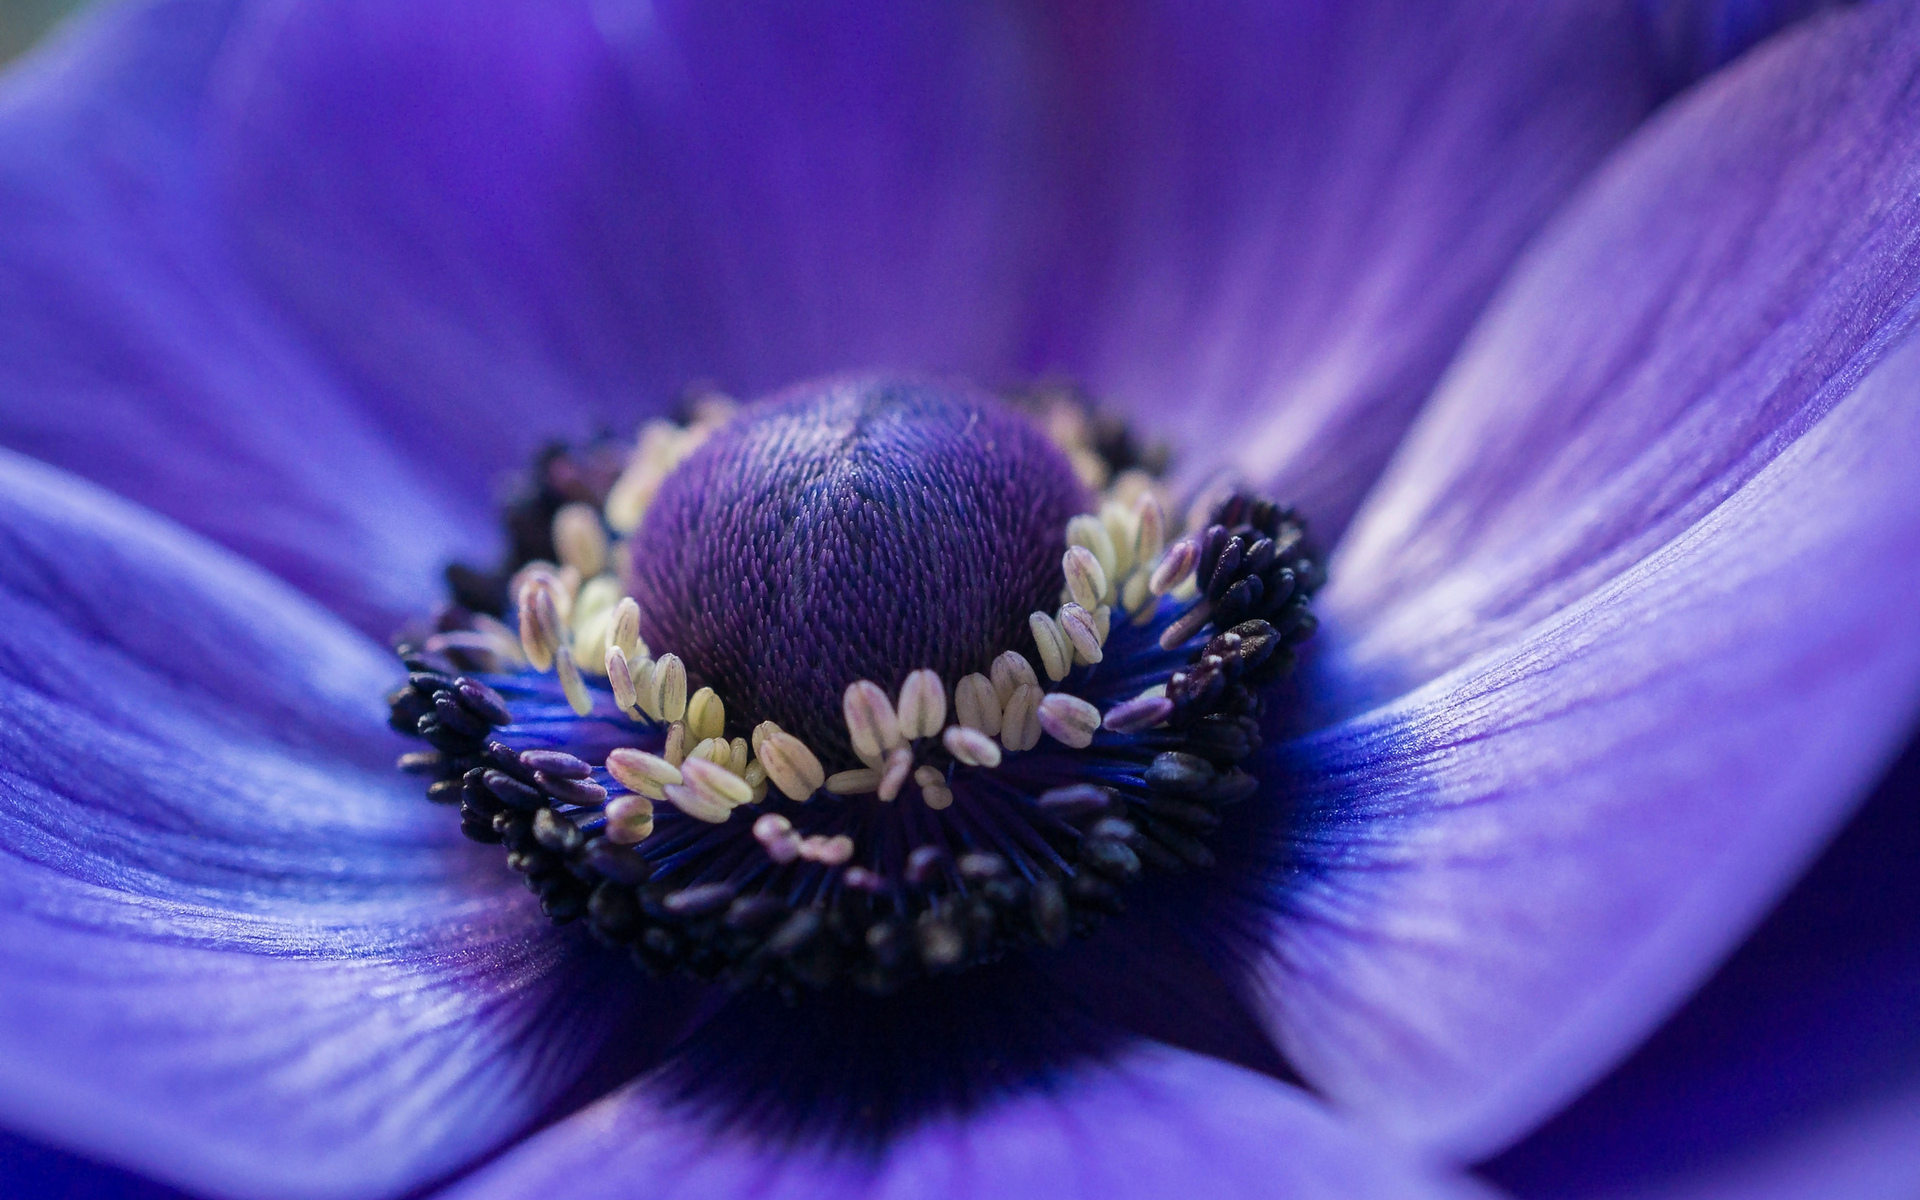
(1104, 746)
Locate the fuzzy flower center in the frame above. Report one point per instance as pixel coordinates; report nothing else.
(858, 530)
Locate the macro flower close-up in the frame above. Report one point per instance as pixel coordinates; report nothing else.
(609, 598)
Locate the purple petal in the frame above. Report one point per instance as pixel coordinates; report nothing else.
(1297, 210)
(237, 951)
(503, 220)
(1726, 281)
(133, 356)
(1795, 1071)
(1499, 882)
(1152, 1122)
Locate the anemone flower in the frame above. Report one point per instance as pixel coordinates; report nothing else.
(912, 795)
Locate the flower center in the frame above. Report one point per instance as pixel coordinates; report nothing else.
(858, 530)
(881, 679)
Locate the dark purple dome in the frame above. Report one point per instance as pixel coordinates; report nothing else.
(852, 528)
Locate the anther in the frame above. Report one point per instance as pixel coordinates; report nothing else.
(1137, 714)
(1190, 623)
(625, 632)
(1091, 532)
(629, 819)
(1009, 671)
(971, 746)
(975, 704)
(854, 783)
(923, 704)
(1020, 722)
(872, 725)
(698, 804)
(580, 539)
(1086, 579)
(899, 764)
(642, 772)
(1175, 566)
(1150, 533)
(1078, 629)
(790, 765)
(620, 679)
(666, 696)
(934, 792)
(1056, 652)
(1069, 719)
(706, 714)
(574, 687)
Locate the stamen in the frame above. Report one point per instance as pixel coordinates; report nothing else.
(617, 797)
(1056, 652)
(923, 705)
(975, 705)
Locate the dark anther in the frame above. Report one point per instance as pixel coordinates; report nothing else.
(482, 701)
(700, 900)
(557, 833)
(1178, 773)
(512, 793)
(555, 763)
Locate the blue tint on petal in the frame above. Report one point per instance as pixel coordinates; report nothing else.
(134, 355)
(1799, 1060)
(1149, 1122)
(1698, 37)
(237, 951)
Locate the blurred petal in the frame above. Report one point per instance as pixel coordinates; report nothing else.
(1295, 211)
(237, 951)
(1727, 280)
(1697, 37)
(1151, 1122)
(132, 355)
(1796, 1071)
(1498, 883)
(508, 218)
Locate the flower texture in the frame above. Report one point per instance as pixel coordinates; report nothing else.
(1576, 339)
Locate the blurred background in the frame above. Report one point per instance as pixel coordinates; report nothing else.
(23, 22)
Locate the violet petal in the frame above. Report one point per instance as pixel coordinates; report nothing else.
(237, 952)
(1152, 1122)
(1724, 282)
(133, 355)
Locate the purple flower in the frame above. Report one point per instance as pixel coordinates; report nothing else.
(1595, 381)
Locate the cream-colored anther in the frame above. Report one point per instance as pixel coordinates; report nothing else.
(1174, 566)
(706, 714)
(934, 792)
(894, 776)
(640, 771)
(698, 804)
(971, 747)
(1118, 519)
(1150, 530)
(629, 819)
(975, 704)
(872, 725)
(1137, 598)
(666, 696)
(1020, 720)
(1010, 670)
(1103, 622)
(923, 704)
(1069, 719)
(626, 629)
(620, 679)
(854, 783)
(1091, 532)
(579, 699)
(755, 773)
(712, 779)
(761, 733)
(675, 749)
(580, 539)
(1077, 629)
(739, 754)
(1056, 652)
(713, 750)
(539, 622)
(1086, 579)
(791, 765)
